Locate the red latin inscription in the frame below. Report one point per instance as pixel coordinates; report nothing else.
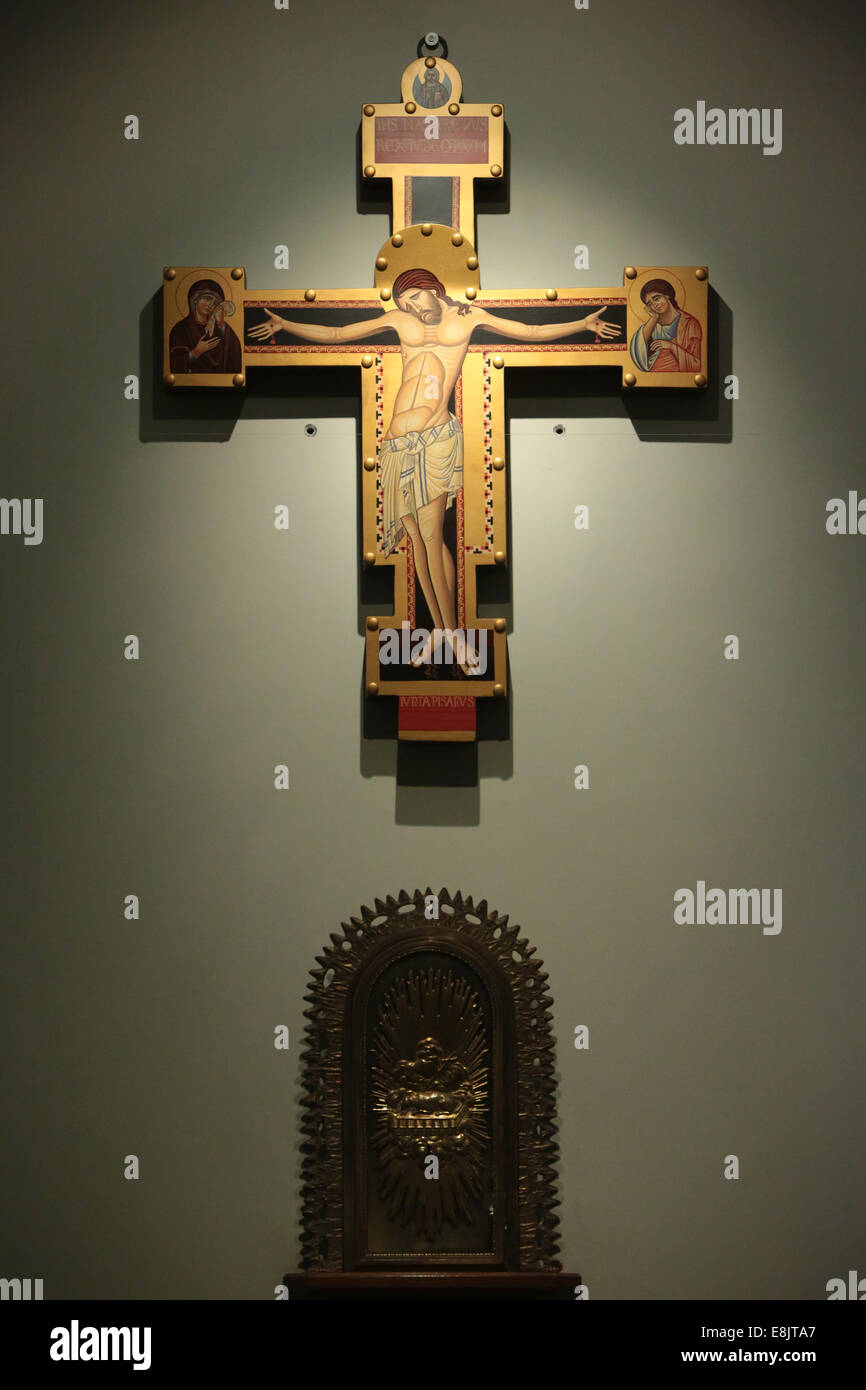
(402, 140)
(437, 712)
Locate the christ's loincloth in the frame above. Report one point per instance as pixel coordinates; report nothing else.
(416, 468)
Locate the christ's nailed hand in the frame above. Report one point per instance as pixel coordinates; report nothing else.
(594, 324)
(267, 330)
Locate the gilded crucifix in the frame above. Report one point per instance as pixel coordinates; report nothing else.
(431, 346)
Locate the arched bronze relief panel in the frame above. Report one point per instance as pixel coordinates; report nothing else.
(430, 1104)
(429, 1101)
(429, 1094)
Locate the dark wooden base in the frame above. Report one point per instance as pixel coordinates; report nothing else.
(433, 1284)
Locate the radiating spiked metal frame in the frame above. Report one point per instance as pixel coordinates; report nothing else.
(509, 954)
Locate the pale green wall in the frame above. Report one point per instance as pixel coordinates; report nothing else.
(153, 1037)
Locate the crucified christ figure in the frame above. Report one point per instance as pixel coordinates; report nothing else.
(421, 457)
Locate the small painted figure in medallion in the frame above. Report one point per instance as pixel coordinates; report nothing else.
(434, 90)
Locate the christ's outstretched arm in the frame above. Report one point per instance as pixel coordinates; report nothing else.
(545, 332)
(324, 332)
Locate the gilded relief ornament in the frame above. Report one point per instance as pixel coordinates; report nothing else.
(429, 1087)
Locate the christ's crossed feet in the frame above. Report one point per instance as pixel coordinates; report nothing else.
(462, 650)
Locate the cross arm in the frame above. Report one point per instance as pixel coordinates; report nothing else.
(654, 328)
(214, 328)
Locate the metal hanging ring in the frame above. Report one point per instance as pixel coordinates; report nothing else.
(426, 44)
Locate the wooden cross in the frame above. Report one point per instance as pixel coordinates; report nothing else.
(431, 347)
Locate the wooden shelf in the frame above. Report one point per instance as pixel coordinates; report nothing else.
(433, 1284)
